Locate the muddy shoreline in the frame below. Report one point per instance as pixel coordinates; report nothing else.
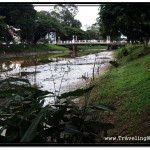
(33, 53)
(80, 101)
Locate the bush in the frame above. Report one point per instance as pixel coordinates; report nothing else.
(24, 118)
(125, 51)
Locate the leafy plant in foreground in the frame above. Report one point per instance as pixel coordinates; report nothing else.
(81, 126)
(24, 118)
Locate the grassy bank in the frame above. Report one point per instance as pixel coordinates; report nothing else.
(21, 52)
(127, 88)
(28, 48)
(42, 47)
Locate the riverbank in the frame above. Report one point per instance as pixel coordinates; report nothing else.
(13, 48)
(127, 89)
(20, 51)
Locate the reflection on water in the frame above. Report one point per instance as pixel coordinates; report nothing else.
(60, 74)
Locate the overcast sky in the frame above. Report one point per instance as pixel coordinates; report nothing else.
(87, 14)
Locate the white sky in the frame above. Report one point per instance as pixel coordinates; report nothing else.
(87, 14)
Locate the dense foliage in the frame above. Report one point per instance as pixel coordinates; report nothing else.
(4, 34)
(45, 23)
(35, 25)
(131, 20)
(22, 17)
(25, 118)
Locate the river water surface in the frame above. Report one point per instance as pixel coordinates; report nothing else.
(63, 74)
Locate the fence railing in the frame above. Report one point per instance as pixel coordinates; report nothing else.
(84, 41)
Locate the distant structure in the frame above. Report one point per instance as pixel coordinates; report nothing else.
(15, 33)
(108, 39)
(51, 37)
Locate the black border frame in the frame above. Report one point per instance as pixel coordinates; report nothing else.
(71, 144)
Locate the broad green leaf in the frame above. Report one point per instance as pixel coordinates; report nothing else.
(57, 116)
(31, 132)
(72, 130)
(69, 102)
(78, 92)
(6, 115)
(32, 109)
(8, 93)
(6, 103)
(18, 98)
(105, 108)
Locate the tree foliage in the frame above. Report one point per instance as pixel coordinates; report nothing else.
(70, 32)
(131, 20)
(20, 16)
(66, 14)
(46, 23)
(24, 118)
(93, 32)
(35, 25)
(4, 35)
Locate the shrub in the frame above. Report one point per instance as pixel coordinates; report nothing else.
(24, 118)
(125, 51)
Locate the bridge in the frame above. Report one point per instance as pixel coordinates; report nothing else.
(75, 43)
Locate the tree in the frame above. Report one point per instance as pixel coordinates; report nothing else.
(107, 21)
(46, 23)
(131, 20)
(70, 32)
(4, 34)
(66, 15)
(76, 23)
(93, 32)
(20, 16)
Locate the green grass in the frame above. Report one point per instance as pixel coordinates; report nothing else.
(128, 89)
(49, 47)
(38, 47)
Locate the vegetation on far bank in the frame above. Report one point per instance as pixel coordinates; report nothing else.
(44, 50)
(13, 48)
(127, 89)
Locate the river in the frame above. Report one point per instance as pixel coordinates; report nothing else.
(62, 74)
